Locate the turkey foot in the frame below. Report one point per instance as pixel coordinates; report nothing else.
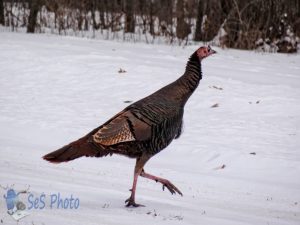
(166, 183)
(130, 202)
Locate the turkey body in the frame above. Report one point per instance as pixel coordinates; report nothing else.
(142, 129)
(148, 126)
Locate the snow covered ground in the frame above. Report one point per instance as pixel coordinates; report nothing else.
(55, 89)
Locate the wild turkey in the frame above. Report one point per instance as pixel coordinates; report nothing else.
(142, 129)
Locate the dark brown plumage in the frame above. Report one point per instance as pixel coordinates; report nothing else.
(142, 129)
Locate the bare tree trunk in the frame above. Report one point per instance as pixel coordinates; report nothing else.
(93, 8)
(129, 9)
(180, 19)
(198, 32)
(151, 23)
(182, 29)
(296, 24)
(101, 8)
(34, 6)
(2, 12)
(213, 21)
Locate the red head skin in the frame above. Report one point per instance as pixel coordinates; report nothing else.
(204, 52)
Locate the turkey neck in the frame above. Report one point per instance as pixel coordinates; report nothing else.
(181, 89)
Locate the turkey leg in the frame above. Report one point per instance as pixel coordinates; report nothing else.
(166, 183)
(140, 162)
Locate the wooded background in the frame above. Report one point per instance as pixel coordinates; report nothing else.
(271, 25)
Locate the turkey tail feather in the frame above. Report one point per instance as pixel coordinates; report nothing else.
(74, 150)
(64, 154)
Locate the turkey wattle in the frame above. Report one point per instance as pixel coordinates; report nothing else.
(142, 129)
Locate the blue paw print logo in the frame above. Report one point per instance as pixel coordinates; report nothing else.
(15, 207)
(12, 202)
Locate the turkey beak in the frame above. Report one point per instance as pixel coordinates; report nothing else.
(211, 51)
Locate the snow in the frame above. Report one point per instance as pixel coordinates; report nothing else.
(55, 89)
